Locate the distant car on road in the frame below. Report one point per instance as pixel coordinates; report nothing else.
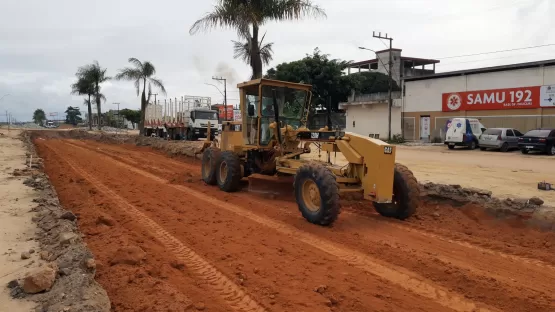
(502, 139)
(542, 140)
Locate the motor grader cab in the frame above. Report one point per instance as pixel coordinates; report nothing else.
(272, 139)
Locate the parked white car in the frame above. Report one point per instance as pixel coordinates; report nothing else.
(503, 139)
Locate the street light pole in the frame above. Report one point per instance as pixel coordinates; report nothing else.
(3, 96)
(389, 73)
(379, 36)
(225, 94)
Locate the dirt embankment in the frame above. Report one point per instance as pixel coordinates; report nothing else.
(64, 279)
(152, 224)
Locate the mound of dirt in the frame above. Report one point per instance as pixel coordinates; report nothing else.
(67, 281)
(528, 210)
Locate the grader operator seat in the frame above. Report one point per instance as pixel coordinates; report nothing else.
(272, 139)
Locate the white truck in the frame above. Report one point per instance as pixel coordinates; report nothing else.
(181, 118)
(196, 123)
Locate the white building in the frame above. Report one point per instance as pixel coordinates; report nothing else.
(519, 95)
(367, 114)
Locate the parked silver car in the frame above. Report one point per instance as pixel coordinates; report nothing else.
(503, 139)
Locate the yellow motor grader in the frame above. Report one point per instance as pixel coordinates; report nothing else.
(271, 140)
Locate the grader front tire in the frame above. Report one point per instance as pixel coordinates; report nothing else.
(229, 172)
(210, 158)
(317, 194)
(406, 195)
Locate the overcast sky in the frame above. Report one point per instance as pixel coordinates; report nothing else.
(42, 43)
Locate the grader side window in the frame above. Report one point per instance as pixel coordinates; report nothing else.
(251, 117)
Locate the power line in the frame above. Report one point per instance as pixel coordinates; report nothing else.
(500, 51)
(482, 60)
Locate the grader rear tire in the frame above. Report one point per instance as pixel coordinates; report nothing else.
(229, 172)
(406, 195)
(209, 169)
(317, 194)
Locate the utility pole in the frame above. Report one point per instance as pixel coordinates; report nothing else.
(118, 124)
(225, 94)
(379, 36)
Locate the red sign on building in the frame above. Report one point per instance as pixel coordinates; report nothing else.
(513, 98)
(226, 112)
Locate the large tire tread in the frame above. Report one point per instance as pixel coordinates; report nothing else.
(232, 181)
(211, 154)
(329, 193)
(404, 182)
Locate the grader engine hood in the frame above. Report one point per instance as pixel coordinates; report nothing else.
(374, 162)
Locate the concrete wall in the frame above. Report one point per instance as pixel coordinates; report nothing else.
(373, 118)
(383, 64)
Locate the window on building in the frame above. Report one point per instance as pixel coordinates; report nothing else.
(353, 123)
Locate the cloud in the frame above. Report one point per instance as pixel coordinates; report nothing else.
(40, 52)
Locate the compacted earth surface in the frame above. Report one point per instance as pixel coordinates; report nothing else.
(163, 240)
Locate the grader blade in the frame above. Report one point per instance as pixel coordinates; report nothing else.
(278, 186)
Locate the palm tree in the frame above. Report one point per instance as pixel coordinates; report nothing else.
(141, 73)
(96, 75)
(242, 50)
(84, 87)
(242, 15)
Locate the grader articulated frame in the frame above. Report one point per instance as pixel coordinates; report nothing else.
(272, 138)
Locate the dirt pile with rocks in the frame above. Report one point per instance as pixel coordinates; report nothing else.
(530, 210)
(64, 277)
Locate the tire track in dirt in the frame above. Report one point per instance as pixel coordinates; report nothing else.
(453, 260)
(228, 290)
(411, 227)
(349, 210)
(406, 279)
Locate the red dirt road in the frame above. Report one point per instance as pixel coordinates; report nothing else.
(209, 250)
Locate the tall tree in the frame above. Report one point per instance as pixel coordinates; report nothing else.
(95, 74)
(141, 73)
(242, 50)
(73, 115)
(84, 87)
(247, 15)
(328, 79)
(39, 117)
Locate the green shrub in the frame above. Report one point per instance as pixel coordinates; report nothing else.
(396, 139)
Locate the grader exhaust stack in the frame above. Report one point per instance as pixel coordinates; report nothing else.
(268, 146)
